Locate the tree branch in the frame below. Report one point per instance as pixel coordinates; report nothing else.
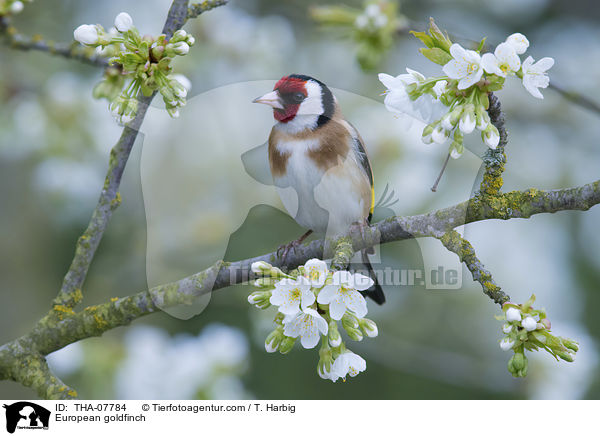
(73, 50)
(21, 360)
(463, 248)
(494, 160)
(198, 8)
(62, 326)
(87, 244)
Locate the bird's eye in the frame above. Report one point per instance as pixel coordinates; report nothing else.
(298, 97)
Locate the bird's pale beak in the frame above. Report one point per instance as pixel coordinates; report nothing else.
(272, 99)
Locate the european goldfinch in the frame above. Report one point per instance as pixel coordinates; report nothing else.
(318, 162)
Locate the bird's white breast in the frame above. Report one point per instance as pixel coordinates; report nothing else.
(324, 201)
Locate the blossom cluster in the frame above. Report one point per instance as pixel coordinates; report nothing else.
(145, 61)
(455, 104)
(372, 27)
(12, 7)
(310, 304)
(526, 328)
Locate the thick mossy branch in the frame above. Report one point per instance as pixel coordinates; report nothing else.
(494, 160)
(342, 253)
(63, 325)
(31, 370)
(463, 248)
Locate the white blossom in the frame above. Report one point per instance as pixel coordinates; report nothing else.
(502, 62)
(506, 344)
(347, 364)
(425, 108)
(290, 294)
(534, 75)
(343, 294)
(529, 323)
(513, 314)
(465, 67)
(315, 271)
(86, 34)
(309, 325)
(507, 328)
(519, 42)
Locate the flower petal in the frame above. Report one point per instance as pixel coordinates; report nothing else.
(455, 69)
(356, 303)
(328, 293)
(308, 298)
(337, 309)
(361, 282)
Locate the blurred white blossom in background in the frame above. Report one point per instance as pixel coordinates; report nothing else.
(158, 366)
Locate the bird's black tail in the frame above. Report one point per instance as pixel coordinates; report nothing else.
(375, 292)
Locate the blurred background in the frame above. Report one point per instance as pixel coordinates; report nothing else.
(54, 144)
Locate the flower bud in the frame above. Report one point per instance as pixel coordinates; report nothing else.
(506, 343)
(513, 314)
(517, 365)
(490, 136)
(86, 34)
(286, 345)
(260, 267)
(439, 134)
(190, 40)
(368, 327)
(123, 22)
(354, 334)
(482, 118)
(274, 340)
(181, 48)
(180, 35)
(335, 339)
(260, 299)
(546, 323)
(467, 120)
(507, 328)
(529, 323)
(349, 321)
(426, 136)
(570, 344)
(564, 355)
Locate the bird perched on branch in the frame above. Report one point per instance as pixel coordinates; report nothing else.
(319, 163)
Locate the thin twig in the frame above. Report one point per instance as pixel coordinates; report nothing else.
(439, 177)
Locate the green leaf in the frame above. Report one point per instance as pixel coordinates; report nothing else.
(440, 39)
(481, 44)
(436, 55)
(425, 38)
